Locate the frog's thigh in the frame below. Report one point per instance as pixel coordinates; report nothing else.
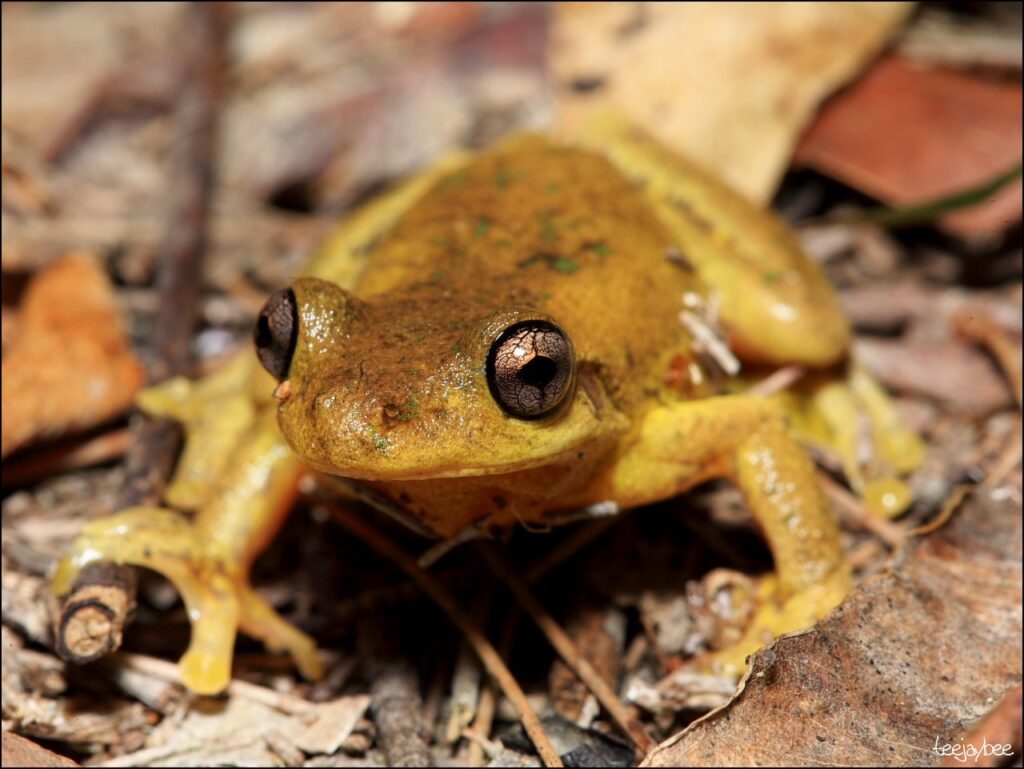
(775, 302)
(747, 439)
(744, 438)
(216, 413)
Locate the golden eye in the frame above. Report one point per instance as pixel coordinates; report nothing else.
(276, 332)
(531, 369)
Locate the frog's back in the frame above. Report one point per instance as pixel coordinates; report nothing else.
(536, 224)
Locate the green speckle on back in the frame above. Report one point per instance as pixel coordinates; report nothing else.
(548, 231)
(554, 262)
(380, 442)
(456, 179)
(503, 177)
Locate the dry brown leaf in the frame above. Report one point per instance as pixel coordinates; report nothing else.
(239, 731)
(17, 751)
(70, 366)
(908, 135)
(911, 660)
(731, 85)
(333, 724)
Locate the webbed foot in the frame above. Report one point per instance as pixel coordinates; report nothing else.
(216, 592)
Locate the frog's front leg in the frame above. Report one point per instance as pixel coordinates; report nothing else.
(208, 559)
(748, 440)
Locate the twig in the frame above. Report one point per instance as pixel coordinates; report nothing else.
(481, 728)
(779, 380)
(951, 505)
(979, 327)
(436, 552)
(465, 691)
(488, 656)
(102, 598)
(568, 652)
(576, 541)
(169, 671)
(864, 553)
(398, 712)
(853, 512)
(94, 613)
(35, 466)
(1008, 459)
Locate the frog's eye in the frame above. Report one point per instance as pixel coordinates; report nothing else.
(531, 369)
(276, 331)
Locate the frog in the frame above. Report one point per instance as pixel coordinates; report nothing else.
(537, 327)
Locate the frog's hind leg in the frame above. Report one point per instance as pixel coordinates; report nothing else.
(748, 440)
(208, 559)
(776, 303)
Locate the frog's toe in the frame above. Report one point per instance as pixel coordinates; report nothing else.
(887, 496)
(260, 620)
(204, 673)
(776, 615)
(856, 420)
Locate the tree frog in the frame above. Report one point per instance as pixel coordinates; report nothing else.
(538, 327)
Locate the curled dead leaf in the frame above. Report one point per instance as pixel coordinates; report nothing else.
(937, 132)
(69, 366)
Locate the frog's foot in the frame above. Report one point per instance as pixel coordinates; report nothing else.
(855, 419)
(775, 615)
(217, 594)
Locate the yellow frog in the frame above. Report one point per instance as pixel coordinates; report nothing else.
(530, 329)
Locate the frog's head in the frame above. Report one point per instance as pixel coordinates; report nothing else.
(414, 386)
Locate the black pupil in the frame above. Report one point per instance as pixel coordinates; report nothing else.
(538, 372)
(264, 336)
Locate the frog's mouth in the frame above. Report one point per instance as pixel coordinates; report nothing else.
(404, 466)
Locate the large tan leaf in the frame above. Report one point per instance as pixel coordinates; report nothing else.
(731, 85)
